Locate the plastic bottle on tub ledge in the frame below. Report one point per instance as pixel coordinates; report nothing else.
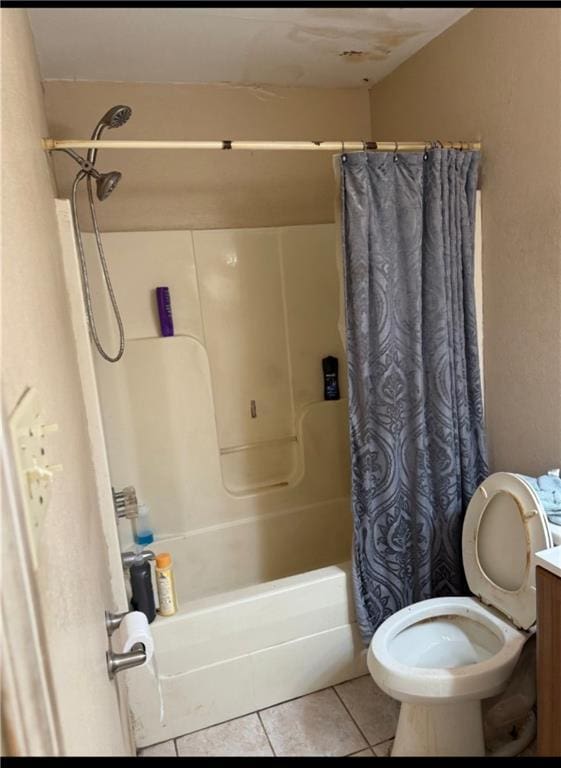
(142, 598)
(166, 585)
(143, 533)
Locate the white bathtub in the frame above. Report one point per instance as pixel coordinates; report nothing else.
(226, 655)
(254, 510)
(222, 558)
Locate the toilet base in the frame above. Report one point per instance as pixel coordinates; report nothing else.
(439, 730)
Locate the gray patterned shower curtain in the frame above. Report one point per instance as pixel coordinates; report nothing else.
(416, 414)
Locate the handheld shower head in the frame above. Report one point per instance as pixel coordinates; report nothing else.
(106, 183)
(113, 118)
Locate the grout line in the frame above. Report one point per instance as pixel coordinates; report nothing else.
(363, 750)
(279, 704)
(266, 734)
(352, 718)
(295, 698)
(377, 744)
(214, 725)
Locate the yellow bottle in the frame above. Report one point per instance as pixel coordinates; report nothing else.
(166, 585)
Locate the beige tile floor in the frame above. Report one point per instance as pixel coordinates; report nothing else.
(354, 718)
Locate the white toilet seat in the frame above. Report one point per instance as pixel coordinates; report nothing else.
(437, 684)
(504, 526)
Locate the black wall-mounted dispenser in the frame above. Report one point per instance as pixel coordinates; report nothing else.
(330, 367)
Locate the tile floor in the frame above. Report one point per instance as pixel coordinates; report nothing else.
(354, 719)
(351, 719)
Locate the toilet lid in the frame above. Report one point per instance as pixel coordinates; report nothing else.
(504, 526)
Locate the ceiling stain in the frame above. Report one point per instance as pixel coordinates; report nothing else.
(303, 33)
(375, 45)
(352, 54)
(349, 15)
(359, 57)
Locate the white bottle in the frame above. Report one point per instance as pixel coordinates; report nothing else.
(166, 585)
(143, 534)
(143, 537)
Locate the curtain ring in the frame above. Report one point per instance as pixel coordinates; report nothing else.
(426, 153)
(343, 155)
(395, 151)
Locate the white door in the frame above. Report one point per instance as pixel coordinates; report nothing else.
(60, 558)
(57, 697)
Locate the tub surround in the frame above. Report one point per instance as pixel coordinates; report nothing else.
(177, 417)
(255, 511)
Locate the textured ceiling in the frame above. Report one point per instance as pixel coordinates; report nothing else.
(324, 47)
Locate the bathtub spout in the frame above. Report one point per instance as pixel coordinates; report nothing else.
(136, 558)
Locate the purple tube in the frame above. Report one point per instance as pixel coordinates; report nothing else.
(164, 310)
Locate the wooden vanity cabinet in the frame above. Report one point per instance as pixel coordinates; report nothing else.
(549, 662)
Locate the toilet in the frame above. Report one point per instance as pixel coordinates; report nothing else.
(441, 657)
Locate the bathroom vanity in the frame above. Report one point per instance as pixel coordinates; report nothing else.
(548, 583)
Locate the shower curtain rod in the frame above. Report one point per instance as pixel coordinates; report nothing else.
(328, 146)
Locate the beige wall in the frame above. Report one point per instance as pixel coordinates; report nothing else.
(496, 76)
(38, 351)
(207, 190)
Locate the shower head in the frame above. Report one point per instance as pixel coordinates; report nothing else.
(113, 118)
(106, 183)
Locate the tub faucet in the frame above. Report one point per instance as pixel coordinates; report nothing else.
(136, 558)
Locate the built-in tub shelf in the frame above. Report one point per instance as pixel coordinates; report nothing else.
(259, 444)
(261, 488)
(260, 466)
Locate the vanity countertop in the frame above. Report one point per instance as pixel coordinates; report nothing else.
(550, 559)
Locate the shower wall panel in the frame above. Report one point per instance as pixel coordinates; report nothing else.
(254, 313)
(242, 302)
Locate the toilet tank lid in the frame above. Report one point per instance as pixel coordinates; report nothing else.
(504, 526)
